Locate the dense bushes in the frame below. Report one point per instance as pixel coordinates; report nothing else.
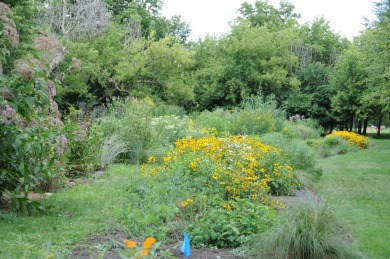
(255, 116)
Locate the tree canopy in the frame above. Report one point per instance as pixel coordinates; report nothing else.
(128, 48)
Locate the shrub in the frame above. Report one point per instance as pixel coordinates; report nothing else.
(254, 117)
(144, 134)
(32, 141)
(266, 106)
(163, 109)
(352, 138)
(301, 129)
(251, 122)
(218, 119)
(85, 141)
(308, 230)
(330, 146)
(165, 130)
(152, 205)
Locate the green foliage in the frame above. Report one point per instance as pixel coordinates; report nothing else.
(261, 13)
(330, 146)
(85, 140)
(31, 143)
(165, 130)
(150, 205)
(251, 61)
(300, 155)
(301, 128)
(308, 230)
(164, 109)
(218, 119)
(255, 117)
(118, 65)
(350, 73)
(130, 121)
(230, 228)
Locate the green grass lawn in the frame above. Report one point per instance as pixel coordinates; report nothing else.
(88, 209)
(356, 186)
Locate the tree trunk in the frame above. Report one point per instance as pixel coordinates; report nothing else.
(359, 127)
(365, 124)
(378, 132)
(330, 129)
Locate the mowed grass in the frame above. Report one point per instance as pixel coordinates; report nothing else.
(356, 186)
(86, 210)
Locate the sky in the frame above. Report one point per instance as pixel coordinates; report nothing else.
(212, 17)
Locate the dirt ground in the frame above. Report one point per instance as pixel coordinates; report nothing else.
(111, 242)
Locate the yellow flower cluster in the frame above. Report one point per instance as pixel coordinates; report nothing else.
(230, 166)
(352, 138)
(229, 206)
(145, 102)
(186, 202)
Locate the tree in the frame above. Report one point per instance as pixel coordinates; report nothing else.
(262, 13)
(158, 68)
(179, 28)
(349, 79)
(374, 43)
(77, 19)
(317, 52)
(249, 61)
(144, 12)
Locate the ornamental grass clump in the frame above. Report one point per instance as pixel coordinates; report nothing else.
(308, 230)
(113, 146)
(352, 138)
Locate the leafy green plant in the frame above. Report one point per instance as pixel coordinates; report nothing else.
(231, 225)
(308, 230)
(85, 140)
(32, 142)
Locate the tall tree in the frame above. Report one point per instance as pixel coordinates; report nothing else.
(349, 79)
(262, 13)
(317, 52)
(249, 61)
(77, 19)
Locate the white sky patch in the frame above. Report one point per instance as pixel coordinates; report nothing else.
(212, 17)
